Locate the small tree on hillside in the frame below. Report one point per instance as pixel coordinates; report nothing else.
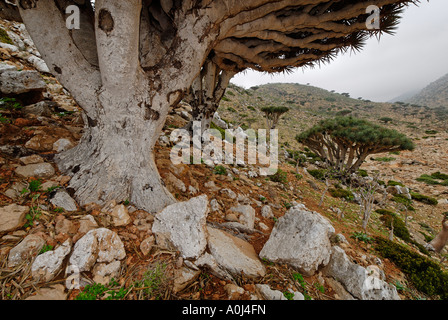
(386, 119)
(345, 142)
(273, 115)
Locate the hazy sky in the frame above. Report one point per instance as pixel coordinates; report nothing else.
(408, 61)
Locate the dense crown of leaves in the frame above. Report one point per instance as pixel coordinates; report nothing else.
(272, 109)
(359, 131)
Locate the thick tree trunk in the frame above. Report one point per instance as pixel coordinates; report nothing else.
(115, 159)
(125, 105)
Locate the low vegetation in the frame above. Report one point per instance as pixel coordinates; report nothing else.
(426, 275)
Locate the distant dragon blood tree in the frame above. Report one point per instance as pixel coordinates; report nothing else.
(132, 60)
(345, 142)
(273, 115)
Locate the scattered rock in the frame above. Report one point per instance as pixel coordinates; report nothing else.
(61, 199)
(182, 226)
(38, 63)
(229, 193)
(38, 109)
(87, 223)
(41, 143)
(214, 205)
(120, 216)
(104, 272)
(33, 159)
(55, 292)
(175, 182)
(16, 82)
(234, 254)
(183, 278)
(268, 293)
(357, 280)
(207, 260)
(97, 246)
(301, 239)
(211, 185)
(38, 170)
(65, 226)
(48, 265)
(62, 145)
(266, 212)
(146, 245)
(246, 215)
(26, 249)
(233, 291)
(12, 217)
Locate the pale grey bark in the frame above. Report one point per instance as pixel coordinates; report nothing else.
(206, 92)
(135, 59)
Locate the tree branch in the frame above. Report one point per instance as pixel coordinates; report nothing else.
(47, 26)
(118, 33)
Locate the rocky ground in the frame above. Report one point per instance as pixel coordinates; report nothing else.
(238, 235)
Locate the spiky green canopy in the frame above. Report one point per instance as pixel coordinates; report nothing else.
(273, 109)
(342, 140)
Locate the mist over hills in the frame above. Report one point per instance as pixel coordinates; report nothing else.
(434, 95)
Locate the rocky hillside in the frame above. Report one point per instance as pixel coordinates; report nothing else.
(233, 234)
(309, 104)
(434, 95)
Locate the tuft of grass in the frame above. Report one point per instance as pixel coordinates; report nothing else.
(280, 176)
(98, 291)
(34, 185)
(220, 170)
(4, 37)
(361, 236)
(10, 104)
(153, 283)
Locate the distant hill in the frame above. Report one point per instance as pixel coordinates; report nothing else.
(309, 104)
(434, 95)
(405, 96)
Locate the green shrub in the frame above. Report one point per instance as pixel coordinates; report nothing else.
(220, 170)
(342, 193)
(425, 274)
(362, 173)
(399, 198)
(361, 236)
(280, 176)
(440, 176)
(98, 291)
(394, 183)
(384, 159)
(427, 179)
(400, 229)
(10, 103)
(318, 174)
(424, 199)
(34, 185)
